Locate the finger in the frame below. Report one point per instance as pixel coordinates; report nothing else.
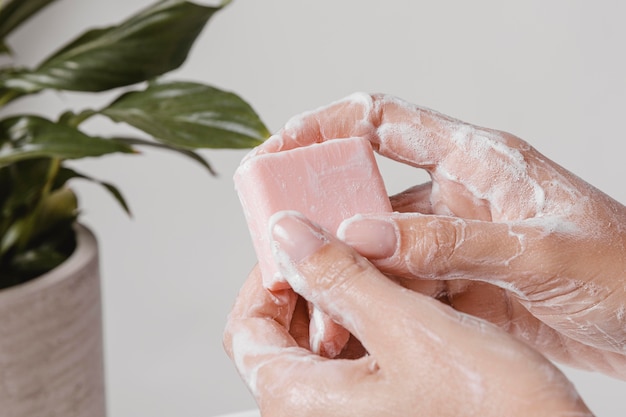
(440, 247)
(513, 317)
(398, 130)
(258, 326)
(482, 300)
(348, 288)
(254, 300)
(327, 338)
(478, 164)
(533, 260)
(270, 360)
(428, 287)
(495, 305)
(273, 366)
(413, 200)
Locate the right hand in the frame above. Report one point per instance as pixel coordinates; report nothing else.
(502, 232)
(418, 356)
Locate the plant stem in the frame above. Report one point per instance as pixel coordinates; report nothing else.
(8, 95)
(55, 165)
(30, 221)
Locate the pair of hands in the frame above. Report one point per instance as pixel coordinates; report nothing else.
(501, 234)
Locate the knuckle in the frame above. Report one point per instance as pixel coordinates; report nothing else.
(514, 142)
(446, 238)
(432, 247)
(339, 275)
(348, 274)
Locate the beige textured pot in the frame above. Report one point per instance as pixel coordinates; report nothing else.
(51, 348)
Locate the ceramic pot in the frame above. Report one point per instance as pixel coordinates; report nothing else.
(51, 345)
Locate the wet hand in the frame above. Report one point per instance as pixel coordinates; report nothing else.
(501, 232)
(423, 357)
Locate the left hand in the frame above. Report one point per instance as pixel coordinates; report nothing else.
(423, 357)
(508, 235)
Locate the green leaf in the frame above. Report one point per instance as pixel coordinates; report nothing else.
(16, 12)
(190, 115)
(65, 174)
(27, 137)
(186, 152)
(151, 43)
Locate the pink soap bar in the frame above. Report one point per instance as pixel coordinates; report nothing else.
(327, 182)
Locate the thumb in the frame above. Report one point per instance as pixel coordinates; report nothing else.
(340, 282)
(441, 247)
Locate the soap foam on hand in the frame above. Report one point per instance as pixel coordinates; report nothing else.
(327, 182)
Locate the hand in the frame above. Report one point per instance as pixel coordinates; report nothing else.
(502, 232)
(424, 358)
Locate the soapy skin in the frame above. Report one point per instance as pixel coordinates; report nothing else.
(501, 232)
(421, 357)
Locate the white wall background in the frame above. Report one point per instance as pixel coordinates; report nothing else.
(550, 71)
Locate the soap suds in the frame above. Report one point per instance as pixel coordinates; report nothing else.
(319, 330)
(246, 353)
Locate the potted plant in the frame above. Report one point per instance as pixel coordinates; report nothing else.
(50, 320)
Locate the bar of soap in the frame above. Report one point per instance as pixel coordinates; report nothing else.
(327, 182)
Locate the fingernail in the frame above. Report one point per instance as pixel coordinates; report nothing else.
(294, 237)
(372, 238)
